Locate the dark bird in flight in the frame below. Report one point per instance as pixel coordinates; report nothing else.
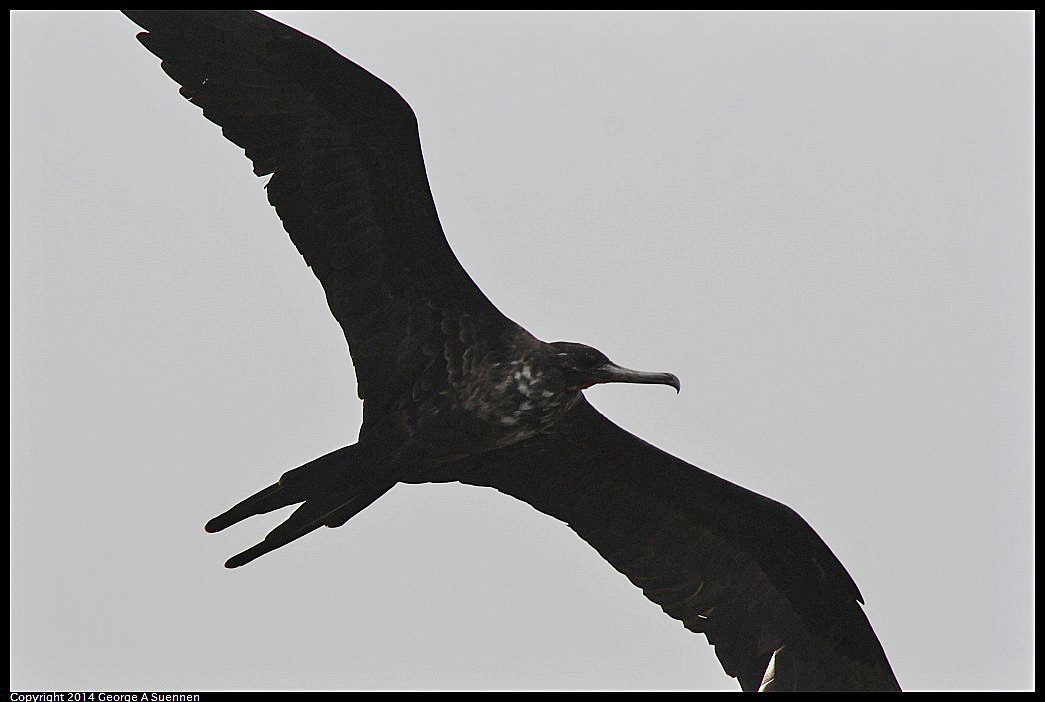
(453, 390)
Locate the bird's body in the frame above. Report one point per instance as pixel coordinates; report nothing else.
(453, 390)
(478, 396)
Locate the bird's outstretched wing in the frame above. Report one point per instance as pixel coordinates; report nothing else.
(748, 572)
(348, 179)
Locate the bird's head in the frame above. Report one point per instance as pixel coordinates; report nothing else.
(584, 366)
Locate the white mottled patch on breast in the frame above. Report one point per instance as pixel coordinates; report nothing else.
(512, 400)
(528, 385)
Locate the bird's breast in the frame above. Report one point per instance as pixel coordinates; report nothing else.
(497, 402)
(518, 399)
(476, 387)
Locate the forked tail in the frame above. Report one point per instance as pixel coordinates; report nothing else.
(330, 489)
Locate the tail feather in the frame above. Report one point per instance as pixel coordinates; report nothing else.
(328, 510)
(297, 485)
(274, 540)
(347, 510)
(332, 493)
(266, 500)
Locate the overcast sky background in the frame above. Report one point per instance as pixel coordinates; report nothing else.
(821, 222)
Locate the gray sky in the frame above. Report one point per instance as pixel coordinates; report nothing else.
(821, 222)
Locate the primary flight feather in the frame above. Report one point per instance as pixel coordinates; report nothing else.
(453, 390)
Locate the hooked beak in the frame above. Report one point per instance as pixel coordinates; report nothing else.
(612, 373)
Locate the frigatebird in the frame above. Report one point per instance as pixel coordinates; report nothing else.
(453, 390)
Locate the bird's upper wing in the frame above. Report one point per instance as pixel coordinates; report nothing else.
(348, 179)
(746, 571)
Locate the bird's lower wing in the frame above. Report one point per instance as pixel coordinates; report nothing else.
(748, 572)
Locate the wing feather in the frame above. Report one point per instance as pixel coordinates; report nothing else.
(746, 571)
(348, 178)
